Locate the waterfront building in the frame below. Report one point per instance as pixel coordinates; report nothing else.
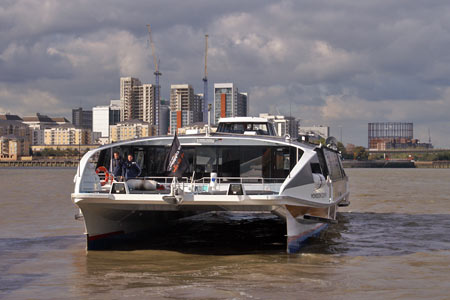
(60, 120)
(67, 134)
(102, 118)
(131, 129)
(15, 138)
(13, 147)
(315, 132)
(82, 118)
(138, 101)
(283, 124)
(38, 123)
(229, 102)
(16, 128)
(185, 106)
(10, 117)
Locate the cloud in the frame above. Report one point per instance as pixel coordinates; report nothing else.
(342, 63)
(30, 101)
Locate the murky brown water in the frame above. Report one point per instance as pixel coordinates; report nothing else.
(393, 242)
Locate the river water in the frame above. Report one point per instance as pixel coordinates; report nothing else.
(392, 242)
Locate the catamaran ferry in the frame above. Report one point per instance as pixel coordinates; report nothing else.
(241, 167)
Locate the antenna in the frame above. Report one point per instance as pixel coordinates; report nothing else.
(429, 136)
(205, 82)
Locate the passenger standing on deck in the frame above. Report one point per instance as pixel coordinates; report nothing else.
(131, 168)
(117, 166)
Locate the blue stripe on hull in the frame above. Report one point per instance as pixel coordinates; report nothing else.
(294, 243)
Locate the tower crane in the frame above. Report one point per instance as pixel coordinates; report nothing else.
(157, 74)
(205, 83)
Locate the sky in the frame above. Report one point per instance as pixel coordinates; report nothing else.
(339, 63)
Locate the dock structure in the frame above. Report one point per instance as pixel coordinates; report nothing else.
(60, 163)
(438, 164)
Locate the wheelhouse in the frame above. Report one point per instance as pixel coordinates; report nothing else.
(246, 125)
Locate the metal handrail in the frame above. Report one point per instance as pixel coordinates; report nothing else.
(165, 178)
(241, 179)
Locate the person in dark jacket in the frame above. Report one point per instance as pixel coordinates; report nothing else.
(117, 166)
(131, 168)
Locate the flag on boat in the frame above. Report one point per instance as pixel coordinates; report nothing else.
(176, 163)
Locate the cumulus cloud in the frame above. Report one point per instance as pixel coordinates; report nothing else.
(30, 101)
(341, 63)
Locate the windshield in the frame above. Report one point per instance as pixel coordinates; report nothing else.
(241, 128)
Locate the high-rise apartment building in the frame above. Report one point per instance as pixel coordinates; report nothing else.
(229, 102)
(164, 115)
(128, 105)
(185, 106)
(138, 101)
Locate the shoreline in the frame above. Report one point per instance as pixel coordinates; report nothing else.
(71, 163)
(440, 164)
(67, 163)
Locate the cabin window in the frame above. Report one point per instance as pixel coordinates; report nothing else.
(315, 168)
(156, 161)
(284, 159)
(333, 165)
(251, 161)
(240, 128)
(205, 161)
(322, 161)
(227, 161)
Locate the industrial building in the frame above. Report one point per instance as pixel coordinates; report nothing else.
(393, 135)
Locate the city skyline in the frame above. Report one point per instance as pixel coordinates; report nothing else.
(333, 63)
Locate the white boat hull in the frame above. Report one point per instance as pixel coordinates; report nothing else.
(109, 220)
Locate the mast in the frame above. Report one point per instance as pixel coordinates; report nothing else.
(205, 82)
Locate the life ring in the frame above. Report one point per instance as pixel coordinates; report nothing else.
(102, 169)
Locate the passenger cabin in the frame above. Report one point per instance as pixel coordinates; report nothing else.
(255, 161)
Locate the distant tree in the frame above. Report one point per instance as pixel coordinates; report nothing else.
(443, 156)
(343, 151)
(360, 153)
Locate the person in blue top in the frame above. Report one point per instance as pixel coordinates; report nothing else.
(117, 166)
(131, 168)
